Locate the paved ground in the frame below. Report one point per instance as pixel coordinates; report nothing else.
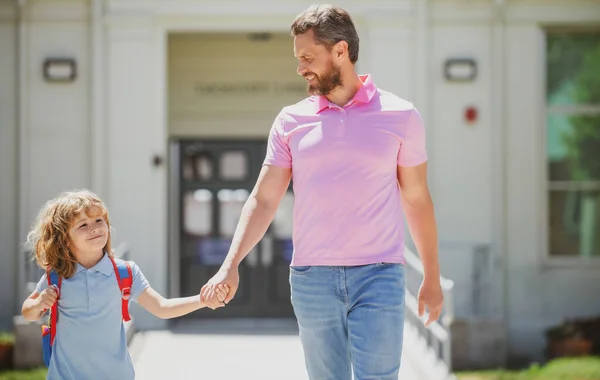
(226, 349)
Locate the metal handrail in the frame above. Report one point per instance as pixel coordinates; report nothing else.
(438, 333)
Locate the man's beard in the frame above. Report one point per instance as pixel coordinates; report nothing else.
(326, 82)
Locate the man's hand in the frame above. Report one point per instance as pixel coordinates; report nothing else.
(227, 275)
(431, 295)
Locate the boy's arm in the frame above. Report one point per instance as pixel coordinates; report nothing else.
(37, 303)
(173, 307)
(32, 310)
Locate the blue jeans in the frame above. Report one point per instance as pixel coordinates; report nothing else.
(351, 320)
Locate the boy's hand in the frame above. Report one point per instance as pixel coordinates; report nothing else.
(229, 275)
(221, 292)
(47, 298)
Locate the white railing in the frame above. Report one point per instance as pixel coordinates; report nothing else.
(435, 358)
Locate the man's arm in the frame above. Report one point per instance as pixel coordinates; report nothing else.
(418, 208)
(258, 212)
(256, 216)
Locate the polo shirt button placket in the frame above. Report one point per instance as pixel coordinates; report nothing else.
(88, 286)
(341, 129)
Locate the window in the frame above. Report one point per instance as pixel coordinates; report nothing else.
(197, 166)
(573, 143)
(231, 203)
(197, 212)
(234, 166)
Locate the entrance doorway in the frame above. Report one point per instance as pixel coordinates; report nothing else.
(215, 180)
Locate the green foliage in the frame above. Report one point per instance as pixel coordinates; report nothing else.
(573, 70)
(560, 369)
(6, 337)
(584, 143)
(34, 374)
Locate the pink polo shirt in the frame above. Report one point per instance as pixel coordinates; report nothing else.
(344, 160)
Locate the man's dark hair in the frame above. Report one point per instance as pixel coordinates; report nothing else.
(330, 24)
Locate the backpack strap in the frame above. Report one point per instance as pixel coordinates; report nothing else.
(125, 279)
(53, 279)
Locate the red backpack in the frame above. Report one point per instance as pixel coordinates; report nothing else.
(124, 278)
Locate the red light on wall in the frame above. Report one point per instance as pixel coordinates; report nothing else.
(471, 114)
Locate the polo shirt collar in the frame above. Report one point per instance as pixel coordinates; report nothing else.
(367, 91)
(321, 102)
(104, 266)
(364, 94)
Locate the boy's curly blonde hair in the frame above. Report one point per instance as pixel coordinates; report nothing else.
(49, 238)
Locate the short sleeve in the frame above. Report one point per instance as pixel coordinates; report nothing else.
(278, 150)
(42, 284)
(413, 151)
(139, 283)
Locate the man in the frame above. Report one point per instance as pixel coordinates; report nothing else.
(352, 150)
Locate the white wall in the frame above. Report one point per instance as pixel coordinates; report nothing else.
(387, 49)
(55, 145)
(463, 163)
(61, 145)
(8, 161)
(464, 160)
(44, 137)
(466, 181)
(136, 190)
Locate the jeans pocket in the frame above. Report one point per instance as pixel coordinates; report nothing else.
(300, 269)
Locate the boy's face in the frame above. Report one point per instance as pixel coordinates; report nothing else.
(88, 233)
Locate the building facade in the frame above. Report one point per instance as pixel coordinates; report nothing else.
(163, 109)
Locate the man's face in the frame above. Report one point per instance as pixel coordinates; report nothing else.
(316, 64)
